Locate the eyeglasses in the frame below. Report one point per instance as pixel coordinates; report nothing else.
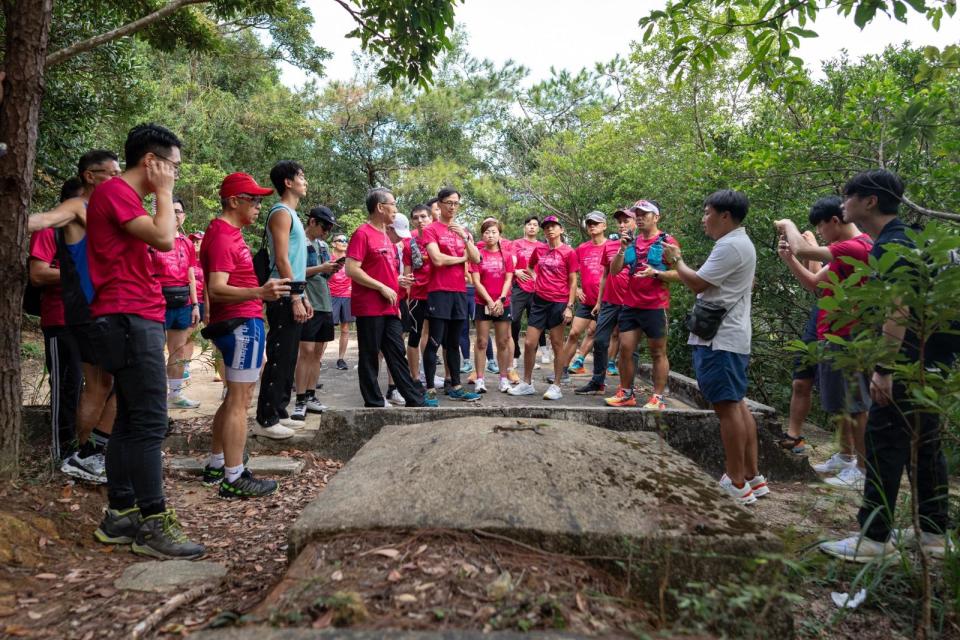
(339, 239)
(451, 203)
(176, 165)
(392, 203)
(113, 173)
(254, 200)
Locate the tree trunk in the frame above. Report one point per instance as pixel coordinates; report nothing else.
(27, 36)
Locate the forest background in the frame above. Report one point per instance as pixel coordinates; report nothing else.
(568, 144)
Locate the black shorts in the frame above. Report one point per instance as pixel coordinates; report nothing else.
(81, 333)
(545, 315)
(481, 314)
(520, 301)
(319, 328)
(447, 305)
(652, 322)
(417, 315)
(584, 311)
(803, 370)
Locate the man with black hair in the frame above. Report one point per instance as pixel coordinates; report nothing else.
(721, 352)
(128, 310)
(374, 266)
(871, 200)
(287, 244)
(844, 398)
(318, 330)
(521, 297)
(449, 246)
(416, 262)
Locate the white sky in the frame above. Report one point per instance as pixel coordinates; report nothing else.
(573, 34)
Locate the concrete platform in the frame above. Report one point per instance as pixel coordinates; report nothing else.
(261, 465)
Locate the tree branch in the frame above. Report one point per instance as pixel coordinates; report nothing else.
(128, 29)
(943, 215)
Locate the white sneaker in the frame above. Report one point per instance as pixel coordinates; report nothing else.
(758, 484)
(935, 544)
(480, 386)
(522, 389)
(396, 398)
(553, 393)
(290, 423)
(850, 478)
(181, 402)
(386, 404)
(835, 463)
(438, 382)
(743, 495)
(546, 355)
(858, 549)
(299, 412)
(504, 385)
(315, 406)
(92, 468)
(276, 432)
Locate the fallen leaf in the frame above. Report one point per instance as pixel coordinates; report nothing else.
(258, 568)
(106, 592)
(34, 615)
(46, 576)
(499, 588)
(405, 598)
(386, 553)
(251, 512)
(581, 602)
(67, 491)
(425, 586)
(394, 576)
(74, 507)
(42, 542)
(17, 630)
(420, 550)
(337, 576)
(469, 569)
(323, 621)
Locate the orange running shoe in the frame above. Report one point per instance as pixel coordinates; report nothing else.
(655, 402)
(628, 398)
(513, 376)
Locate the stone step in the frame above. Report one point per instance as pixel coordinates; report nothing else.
(169, 575)
(261, 465)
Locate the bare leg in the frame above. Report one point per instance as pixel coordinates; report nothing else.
(97, 407)
(233, 422)
(480, 347)
(504, 345)
(560, 362)
(344, 339)
(577, 329)
(530, 340)
(177, 341)
(750, 454)
(308, 367)
(628, 344)
(659, 363)
(800, 401)
(734, 437)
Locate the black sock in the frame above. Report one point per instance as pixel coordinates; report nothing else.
(88, 449)
(391, 388)
(301, 398)
(311, 394)
(99, 439)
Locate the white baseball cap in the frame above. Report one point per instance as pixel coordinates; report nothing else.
(401, 226)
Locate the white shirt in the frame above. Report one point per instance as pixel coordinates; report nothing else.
(730, 269)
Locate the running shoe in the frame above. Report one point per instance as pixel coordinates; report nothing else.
(743, 495)
(481, 386)
(850, 478)
(467, 366)
(492, 366)
(553, 393)
(522, 389)
(591, 389)
(246, 486)
(612, 369)
(211, 476)
(315, 406)
(758, 484)
(274, 432)
(546, 355)
(290, 423)
(623, 398)
(513, 376)
(552, 378)
(472, 378)
(576, 367)
(504, 385)
(835, 463)
(182, 402)
(463, 394)
(161, 536)
(430, 400)
(936, 544)
(655, 402)
(92, 468)
(119, 527)
(793, 445)
(342, 364)
(299, 412)
(859, 549)
(394, 398)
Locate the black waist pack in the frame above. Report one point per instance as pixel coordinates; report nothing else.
(176, 297)
(705, 318)
(222, 328)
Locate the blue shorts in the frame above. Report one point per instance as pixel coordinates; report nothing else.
(341, 311)
(178, 319)
(721, 375)
(242, 351)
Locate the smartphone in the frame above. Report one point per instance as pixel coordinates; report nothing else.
(297, 286)
(341, 259)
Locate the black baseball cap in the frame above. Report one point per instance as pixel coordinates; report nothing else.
(324, 215)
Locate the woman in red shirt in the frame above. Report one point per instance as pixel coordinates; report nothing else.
(492, 281)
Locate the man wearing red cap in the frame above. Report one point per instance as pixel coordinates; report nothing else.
(236, 328)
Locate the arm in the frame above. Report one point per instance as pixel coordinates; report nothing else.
(482, 290)
(801, 249)
(472, 253)
(686, 275)
(192, 284)
(603, 285)
(219, 291)
(571, 298)
(62, 215)
(356, 273)
(326, 268)
(160, 230)
(440, 259)
(507, 285)
(42, 274)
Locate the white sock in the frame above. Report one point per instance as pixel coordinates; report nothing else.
(175, 384)
(232, 473)
(215, 460)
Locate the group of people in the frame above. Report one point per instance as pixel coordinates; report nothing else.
(121, 285)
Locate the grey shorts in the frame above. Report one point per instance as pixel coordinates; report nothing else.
(341, 311)
(841, 393)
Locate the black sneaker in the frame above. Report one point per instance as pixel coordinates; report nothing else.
(212, 476)
(246, 486)
(119, 527)
(591, 389)
(161, 536)
(342, 364)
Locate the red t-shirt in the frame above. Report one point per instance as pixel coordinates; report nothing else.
(197, 274)
(590, 256)
(43, 247)
(171, 267)
(523, 249)
(223, 250)
(378, 258)
(120, 267)
(553, 268)
(421, 276)
(857, 248)
(449, 277)
(647, 293)
(493, 268)
(340, 284)
(616, 285)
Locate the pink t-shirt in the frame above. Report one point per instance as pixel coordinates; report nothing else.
(223, 250)
(523, 249)
(378, 258)
(647, 293)
(553, 268)
(617, 283)
(340, 284)
(449, 277)
(171, 267)
(857, 248)
(590, 256)
(43, 247)
(197, 274)
(421, 276)
(493, 268)
(120, 267)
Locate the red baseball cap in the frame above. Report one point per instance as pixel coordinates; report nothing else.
(237, 184)
(196, 235)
